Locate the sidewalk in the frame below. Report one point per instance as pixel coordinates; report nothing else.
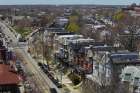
(68, 83)
(68, 86)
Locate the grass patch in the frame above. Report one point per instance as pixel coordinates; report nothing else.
(23, 31)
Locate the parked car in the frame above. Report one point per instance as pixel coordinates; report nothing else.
(22, 40)
(40, 64)
(59, 85)
(44, 67)
(53, 90)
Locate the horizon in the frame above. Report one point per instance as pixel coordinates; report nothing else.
(64, 4)
(68, 2)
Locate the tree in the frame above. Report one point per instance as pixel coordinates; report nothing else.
(119, 16)
(123, 18)
(129, 40)
(133, 4)
(123, 22)
(73, 25)
(45, 20)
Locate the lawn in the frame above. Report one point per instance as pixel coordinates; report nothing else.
(23, 31)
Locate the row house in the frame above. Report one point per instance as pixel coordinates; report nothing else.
(74, 49)
(101, 64)
(80, 55)
(51, 37)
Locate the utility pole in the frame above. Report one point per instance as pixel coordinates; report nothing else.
(42, 47)
(131, 37)
(42, 34)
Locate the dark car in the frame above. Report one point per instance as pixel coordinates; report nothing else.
(22, 40)
(44, 67)
(56, 82)
(53, 90)
(59, 85)
(50, 76)
(40, 64)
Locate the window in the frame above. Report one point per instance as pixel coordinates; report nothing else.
(136, 81)
(127, 77)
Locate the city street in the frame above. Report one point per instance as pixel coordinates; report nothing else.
(42, 81)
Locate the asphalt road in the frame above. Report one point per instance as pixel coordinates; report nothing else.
(41, 79)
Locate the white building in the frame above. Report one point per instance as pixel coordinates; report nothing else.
(61, 21)
(131, 74)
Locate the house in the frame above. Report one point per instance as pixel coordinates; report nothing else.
(61, 41)
(124, 56)
(103, 57)
(80, 54)
(131, 74)
(133, 10)
(97, 27)
(128, 73)
(9, 80)
(74, 50)
(62, 21)
(136, 11)
(101, 64)
(3, 51)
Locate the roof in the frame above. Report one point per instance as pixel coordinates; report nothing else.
(64, 33)
(69, 36)
(125, 55)
(55, 30)
(82, 41)
(103, 48)
(137, 74)
(99, 26)
(8, 76)
(125, 58)
(18, 17)
(130, 70)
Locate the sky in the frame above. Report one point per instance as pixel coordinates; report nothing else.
(58, 2)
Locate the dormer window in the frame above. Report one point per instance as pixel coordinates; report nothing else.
(127, 77)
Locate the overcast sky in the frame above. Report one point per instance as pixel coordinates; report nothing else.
(58, 2)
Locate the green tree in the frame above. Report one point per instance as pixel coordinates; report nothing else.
(73, 27)
(119, 16)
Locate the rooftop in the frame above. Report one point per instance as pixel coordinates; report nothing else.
(8, 75)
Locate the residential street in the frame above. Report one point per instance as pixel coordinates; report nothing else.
(42, 81)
